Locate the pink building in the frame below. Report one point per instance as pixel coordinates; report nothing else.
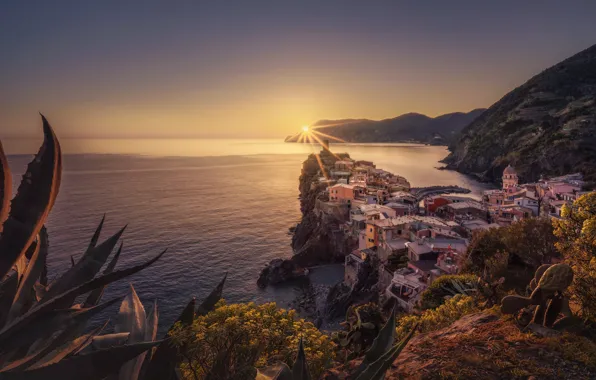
(342, 193)
(510, 179)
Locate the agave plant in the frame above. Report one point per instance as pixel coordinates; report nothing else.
(43, 327)
(375, 364)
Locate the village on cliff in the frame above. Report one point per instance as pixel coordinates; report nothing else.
(420, 234)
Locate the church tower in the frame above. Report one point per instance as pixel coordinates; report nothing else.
(510, 179)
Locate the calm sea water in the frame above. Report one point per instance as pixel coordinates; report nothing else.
(217, 205)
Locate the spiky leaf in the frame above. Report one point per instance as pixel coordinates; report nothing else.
(150, 336)
(8, 289)
(209, 303)
(382, 343)
(89, 265)
(132, 319)
(95, 296)
(55, 351)
(300, 367)
(95, 237)
(92, 366)
(35, 197)
(279, 371)
(33, 272)
(376, 370)
(18, 335)
(165, 359)
(5, 187)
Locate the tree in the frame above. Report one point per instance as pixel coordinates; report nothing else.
(532, 240)
(577, 242)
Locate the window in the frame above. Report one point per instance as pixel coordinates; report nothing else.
(371, 240)
(370, 229)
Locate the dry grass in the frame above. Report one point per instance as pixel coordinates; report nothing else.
(500, 350)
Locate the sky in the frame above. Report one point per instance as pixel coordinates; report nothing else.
(180, 69)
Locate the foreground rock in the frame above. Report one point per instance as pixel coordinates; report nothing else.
(278, 271)
(484, 346)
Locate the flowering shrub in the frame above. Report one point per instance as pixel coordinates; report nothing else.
(435, 319)
(232, 340)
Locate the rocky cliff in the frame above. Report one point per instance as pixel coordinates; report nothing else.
(547, 126)
(316, 239)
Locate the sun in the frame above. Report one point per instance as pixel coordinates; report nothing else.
(305, 128)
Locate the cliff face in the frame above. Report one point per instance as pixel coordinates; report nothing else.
(408, 127)
(546, 126)
(316, 239)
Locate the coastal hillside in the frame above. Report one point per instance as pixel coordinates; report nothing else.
(410, 127)
(544, 127)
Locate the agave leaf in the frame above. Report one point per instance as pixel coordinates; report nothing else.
(66, 299)
(8, 289)
(368, 325)
(150, 336)
(209, 303)
(109, 340)
(56, 350)
(5, 187)
(96, 234)
(165, 359)
(95, 365)
(132, 319)
(377, 369)
(300, 367)
(45, 324)
(380, 345)
(279, 371)
(95, 296)
(34, 269)
(35, 197)
(89, 265)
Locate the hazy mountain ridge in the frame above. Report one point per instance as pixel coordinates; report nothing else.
(547, 126)
(410, 127)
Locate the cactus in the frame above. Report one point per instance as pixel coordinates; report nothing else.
(548, 285)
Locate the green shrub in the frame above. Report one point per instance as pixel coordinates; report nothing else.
(435, 319)
(443, 287)
(232, 340)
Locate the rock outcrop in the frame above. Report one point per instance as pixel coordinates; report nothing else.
(547, 126)
(316, 239)
(484, 346)
(364, 290)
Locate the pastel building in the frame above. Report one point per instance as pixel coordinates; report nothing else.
(510, 179)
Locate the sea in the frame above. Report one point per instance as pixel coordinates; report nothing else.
(217, 206)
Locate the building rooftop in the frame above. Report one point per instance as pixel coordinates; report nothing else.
(423, 265)
(465, 205)
(509, 170)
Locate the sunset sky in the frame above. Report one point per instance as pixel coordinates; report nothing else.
(264, 69)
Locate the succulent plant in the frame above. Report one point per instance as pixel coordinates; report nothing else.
(548, 285)
(362, 324)
(43, 331)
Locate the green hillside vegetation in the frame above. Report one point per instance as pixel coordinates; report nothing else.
(547, 126)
